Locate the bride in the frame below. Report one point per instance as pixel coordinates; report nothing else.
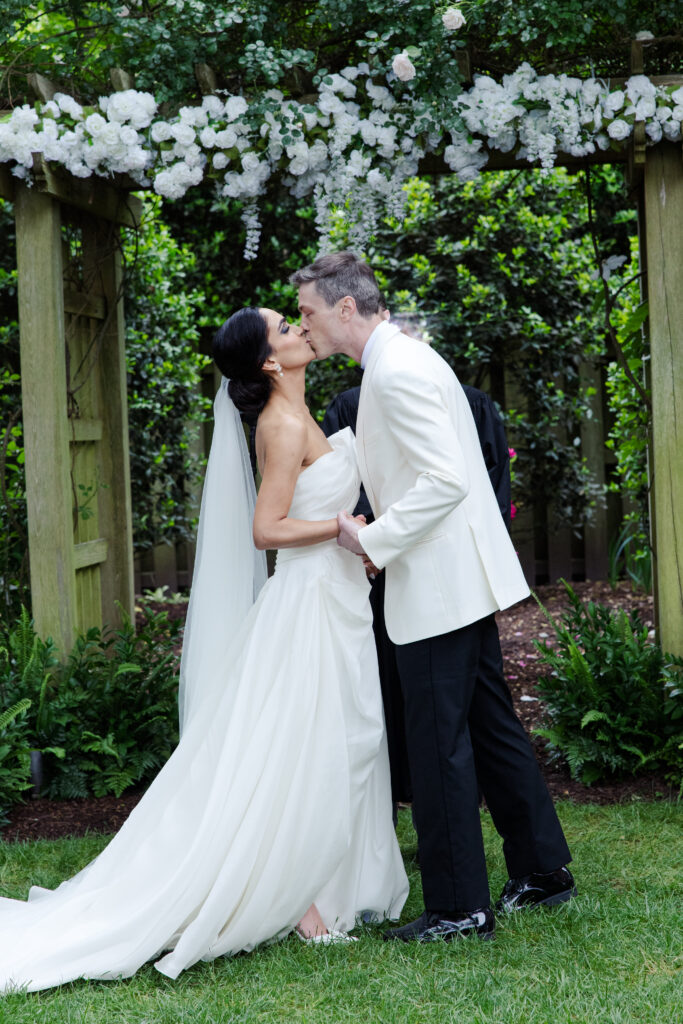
(274, 812)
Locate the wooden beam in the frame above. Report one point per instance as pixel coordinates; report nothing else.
(84, 430)
(46, 431)
(121, 80)
(90, 552)
(41, 87)
(664, 238)
(93, 195)
(433, 163)
(206, 79)
(80, 304)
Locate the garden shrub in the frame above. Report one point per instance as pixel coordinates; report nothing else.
(105, 719)
(613, 698)
(15, 757)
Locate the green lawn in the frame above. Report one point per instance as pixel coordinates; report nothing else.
(613, 955)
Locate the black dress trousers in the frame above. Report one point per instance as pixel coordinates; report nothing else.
(461, 729)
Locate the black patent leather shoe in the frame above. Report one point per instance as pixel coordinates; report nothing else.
(431, 926)
(537, 890)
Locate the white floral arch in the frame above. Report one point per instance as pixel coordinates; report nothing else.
(354, 144)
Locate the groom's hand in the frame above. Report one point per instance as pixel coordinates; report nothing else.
(348, 532)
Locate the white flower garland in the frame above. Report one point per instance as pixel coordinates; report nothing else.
(354, 147)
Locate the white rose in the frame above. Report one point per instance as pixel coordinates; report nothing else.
(195, 116)
(654, 131)
(226, 139)
(453, 19)
(403, 67)
(68, 105)
(646, 108)
(672, 130)
(207, 137)
(213, 106)
(183, 133)
(235, 106)
(220, 161)
(95, 123)
(614, 101)
(161, 131)
(619, 130)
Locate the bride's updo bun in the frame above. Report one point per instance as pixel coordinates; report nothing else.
(240, 348)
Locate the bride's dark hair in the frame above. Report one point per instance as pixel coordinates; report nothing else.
(240, 348)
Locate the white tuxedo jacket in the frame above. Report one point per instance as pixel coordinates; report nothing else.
(438, 529)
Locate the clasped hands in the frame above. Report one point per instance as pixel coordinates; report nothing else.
(348, 538)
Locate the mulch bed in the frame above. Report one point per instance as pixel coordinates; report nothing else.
(519, 626)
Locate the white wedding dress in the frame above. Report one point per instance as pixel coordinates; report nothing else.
(276, 797)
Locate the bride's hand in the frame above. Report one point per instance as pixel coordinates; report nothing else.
(348, 532)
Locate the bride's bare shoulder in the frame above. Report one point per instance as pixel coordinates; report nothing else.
(279, 433)
(280, 423)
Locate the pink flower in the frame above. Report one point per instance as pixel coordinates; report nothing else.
(512, 453)
(513, 510)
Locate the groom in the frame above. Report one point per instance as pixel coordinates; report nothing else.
(450, 566)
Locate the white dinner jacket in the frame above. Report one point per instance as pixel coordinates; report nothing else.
(438, 529)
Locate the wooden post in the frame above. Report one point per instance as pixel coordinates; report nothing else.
(664, 238)
(101, 250)
(46, 437)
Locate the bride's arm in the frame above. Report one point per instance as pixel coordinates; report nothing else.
(285, 448)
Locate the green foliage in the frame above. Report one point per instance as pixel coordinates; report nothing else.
(499, 269)
(15, 758)
(254, 46)
(105, 719)
(614, 700)
(164, 308)
(13, 525)
(630, 557)
(629, 430)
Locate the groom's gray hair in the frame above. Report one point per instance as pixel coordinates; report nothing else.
(342, 273)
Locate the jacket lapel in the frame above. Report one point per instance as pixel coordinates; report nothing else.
(366, 410)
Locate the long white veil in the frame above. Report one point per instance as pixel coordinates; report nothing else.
(229, 572)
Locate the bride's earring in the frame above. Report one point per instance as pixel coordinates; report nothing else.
(280, 371)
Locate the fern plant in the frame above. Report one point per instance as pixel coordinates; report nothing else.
(106, 718)
(15, 758)
(613, 699)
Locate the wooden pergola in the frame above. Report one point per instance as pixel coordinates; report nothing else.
(74, 385)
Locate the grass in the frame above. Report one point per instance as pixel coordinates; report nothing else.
(613, 955)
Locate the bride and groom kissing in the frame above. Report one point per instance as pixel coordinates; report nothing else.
(274, 814)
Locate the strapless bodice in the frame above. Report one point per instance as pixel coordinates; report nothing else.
(329, 484)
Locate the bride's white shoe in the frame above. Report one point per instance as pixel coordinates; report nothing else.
(332, 938)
